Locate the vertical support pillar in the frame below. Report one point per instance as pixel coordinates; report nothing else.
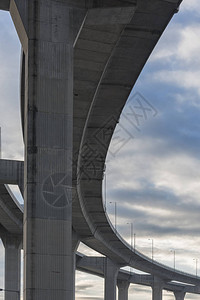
(48, 128)
(12, 266)
(123, 286)
(110, 274)
(157, 288)
(75, 244)
(179, 295)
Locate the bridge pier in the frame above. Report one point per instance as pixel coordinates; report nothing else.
(75, 244)
(123, 286)
(12, 246)
(110, 274)
(157, 289)
(46, 30)
(179, 295)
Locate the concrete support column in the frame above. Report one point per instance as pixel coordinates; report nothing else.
(110, 274)
(157, 289)
(75, 244)
(12, 267)
(48, 129)
(179, 295)
(123, 286)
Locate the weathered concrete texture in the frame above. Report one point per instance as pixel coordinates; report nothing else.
(157, 288)
(4, 4)
(11, 216)
(75, 244)
(48, 255)
(179, 295)
(110, 273)
(12, 172)
(13, 245)
(19, 14)
(123, 286)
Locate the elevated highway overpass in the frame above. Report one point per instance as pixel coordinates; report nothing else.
(108, 44)
(11, 231)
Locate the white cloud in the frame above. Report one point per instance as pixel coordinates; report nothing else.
(191, 5)
(189, 46)
(179, 46)
(181, 78)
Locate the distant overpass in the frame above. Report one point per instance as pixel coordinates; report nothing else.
(12, 212)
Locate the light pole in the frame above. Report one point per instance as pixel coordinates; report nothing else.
(151, 247)
(196, 260)
(115, 203)
(174, 258)
(132, 236)
(105, 186)
(134, 241)
(131, 224)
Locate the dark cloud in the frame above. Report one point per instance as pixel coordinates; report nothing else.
(83, 287)
(89, 298)
(135, 288)
(176, 217)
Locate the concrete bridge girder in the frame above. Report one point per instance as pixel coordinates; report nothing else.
(12, 172)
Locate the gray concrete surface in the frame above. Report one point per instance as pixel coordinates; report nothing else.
(110, 282)
(12, 172)
(11, 215)
(123, 286)
(4, 4)
(48, 255)
(157, 288)
(12, 266)
(179, 295)
(13, 245)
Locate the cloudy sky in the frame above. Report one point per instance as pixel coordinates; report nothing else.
(154, 177)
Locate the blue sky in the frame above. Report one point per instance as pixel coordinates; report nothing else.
(155, 177)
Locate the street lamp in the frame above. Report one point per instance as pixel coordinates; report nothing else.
(132, 236)
(151, 247)
(196, 260)
(115, 203)
(174, 258)
(131, 224)
(104, 170)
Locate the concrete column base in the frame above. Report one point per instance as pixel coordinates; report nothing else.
(157, 289)
(123, 287)
(110, 274)
(12, 267)
(48, 130)
(75, 244)
(179, 295)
